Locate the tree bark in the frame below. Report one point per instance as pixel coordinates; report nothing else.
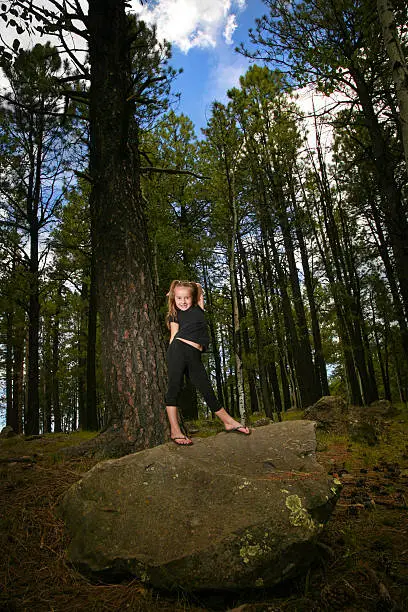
(132, 348)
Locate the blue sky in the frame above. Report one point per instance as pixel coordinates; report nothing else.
(204, 34)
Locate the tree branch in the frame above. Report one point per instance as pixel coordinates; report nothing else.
(145, 169)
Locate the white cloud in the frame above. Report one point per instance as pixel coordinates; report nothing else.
(192, 23)
(230, 28)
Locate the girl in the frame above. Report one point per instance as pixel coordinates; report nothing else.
(188, 339)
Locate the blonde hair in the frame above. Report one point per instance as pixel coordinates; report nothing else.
(171, 301)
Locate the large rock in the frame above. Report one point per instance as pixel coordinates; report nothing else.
(330, 414)
(229, 512)
(363, 424)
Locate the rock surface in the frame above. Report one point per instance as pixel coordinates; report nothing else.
(229, 512)
(363, 424)
(7, 432)
(330, 413)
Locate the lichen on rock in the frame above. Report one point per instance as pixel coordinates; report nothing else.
(299, 516)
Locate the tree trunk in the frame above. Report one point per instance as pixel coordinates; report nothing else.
(226, 376)
(269, 336)
(320, 364)
(213, 336)
(399, 66)
(55, 365)
(91, 402)
(304, 362)
(132, 348)
(82, 344)
(32, 413)
(248, 368)
(389, 270)
(393, 208)
(46, 376)
(330, 261)
(9, 370)
(236, 343)
(18, 380)
(263, 379)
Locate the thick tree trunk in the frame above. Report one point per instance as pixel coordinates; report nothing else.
(132, 345)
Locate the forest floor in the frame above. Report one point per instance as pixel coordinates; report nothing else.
(363, 553)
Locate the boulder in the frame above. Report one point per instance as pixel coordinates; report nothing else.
(7, 432)
(363, 424)
(330, 413)
(229, 512)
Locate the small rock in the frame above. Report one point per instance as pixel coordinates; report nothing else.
(261, 422)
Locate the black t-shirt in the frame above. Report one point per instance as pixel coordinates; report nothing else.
(192, 325)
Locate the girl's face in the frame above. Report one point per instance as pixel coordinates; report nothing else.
(183, 298)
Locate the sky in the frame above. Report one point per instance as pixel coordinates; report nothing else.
(203, 34)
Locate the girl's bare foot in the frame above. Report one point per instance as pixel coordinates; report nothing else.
(231, 424)
(176, 434)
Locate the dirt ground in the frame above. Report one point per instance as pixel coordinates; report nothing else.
(362, 561)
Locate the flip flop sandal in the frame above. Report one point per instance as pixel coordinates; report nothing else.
(237, 430)
(181, 438)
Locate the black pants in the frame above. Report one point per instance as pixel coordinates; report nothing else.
(181, 358)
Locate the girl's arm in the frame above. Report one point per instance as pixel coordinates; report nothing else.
(200, 300)
(174, 327)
